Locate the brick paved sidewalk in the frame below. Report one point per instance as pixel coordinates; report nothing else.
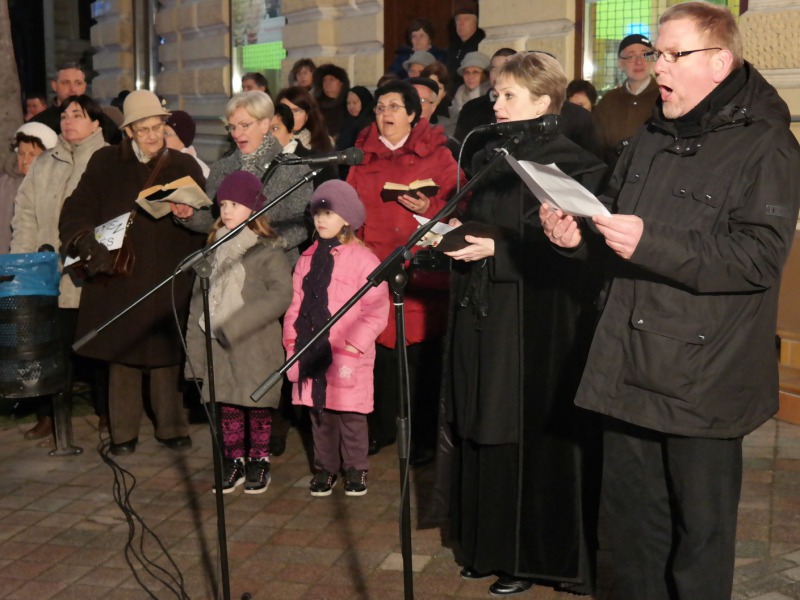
(62, 536)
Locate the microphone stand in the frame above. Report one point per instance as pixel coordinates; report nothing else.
(198, 262)
(392, 270)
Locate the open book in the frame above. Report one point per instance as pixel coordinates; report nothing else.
(551, 185)
(155, 200)
(392, 191)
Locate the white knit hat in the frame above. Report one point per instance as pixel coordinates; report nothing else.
(40, 131)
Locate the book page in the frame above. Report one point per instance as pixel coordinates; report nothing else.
(551, 185)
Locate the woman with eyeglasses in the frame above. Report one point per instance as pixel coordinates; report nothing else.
(142, 346)
(249, 116)
(400, 148)
(524, 487)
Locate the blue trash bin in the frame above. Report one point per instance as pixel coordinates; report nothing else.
(32, 360)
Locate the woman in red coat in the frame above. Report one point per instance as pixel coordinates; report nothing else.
(402, 148)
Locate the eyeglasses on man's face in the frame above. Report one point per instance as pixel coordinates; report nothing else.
(633, 57)
(672, 56)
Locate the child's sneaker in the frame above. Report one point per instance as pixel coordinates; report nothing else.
(257, 475)
(232, 474)
(323, 483)
(355, 482)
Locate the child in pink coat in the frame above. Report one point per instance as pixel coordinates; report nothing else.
(334, 378)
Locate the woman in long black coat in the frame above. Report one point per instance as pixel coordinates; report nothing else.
(524, 485)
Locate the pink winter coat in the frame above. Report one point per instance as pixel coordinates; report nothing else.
(350, 386)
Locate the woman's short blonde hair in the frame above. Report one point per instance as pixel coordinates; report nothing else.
(541, 74)
(257, 104)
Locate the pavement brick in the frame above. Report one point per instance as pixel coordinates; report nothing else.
(62, 535)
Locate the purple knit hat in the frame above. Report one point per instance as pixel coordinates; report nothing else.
(340, 197)
(243, 188)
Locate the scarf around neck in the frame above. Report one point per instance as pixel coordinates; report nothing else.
(313, 314)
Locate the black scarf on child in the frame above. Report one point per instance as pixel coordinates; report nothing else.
(313, 314)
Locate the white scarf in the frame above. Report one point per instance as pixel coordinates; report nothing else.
(227, 277)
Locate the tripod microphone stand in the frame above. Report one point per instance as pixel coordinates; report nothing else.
(392, 270)
(198, 262)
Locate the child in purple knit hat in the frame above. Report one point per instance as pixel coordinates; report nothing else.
(334, 378)
(250, 289)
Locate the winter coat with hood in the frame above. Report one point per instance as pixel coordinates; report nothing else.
(146, 336)
(252, 334)
(389, 224)
(349, 378)
(686, 343)
(52, 178)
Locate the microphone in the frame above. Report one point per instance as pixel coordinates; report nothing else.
(546, 124)
(351, 156)
(46, 248)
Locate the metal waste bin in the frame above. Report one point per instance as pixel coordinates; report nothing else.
(32, 357)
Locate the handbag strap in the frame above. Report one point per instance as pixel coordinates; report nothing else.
(162, 160)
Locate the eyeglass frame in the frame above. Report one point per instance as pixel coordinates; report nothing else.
(243, 126)
(672, 56)
(143, 132)
(392, 108)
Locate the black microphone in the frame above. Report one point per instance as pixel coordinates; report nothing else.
(46, 248)
(546, 124)
(351, 156)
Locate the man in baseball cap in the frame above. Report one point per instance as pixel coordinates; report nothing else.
(623, 110)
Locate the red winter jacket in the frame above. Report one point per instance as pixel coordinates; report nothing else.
(389, 224)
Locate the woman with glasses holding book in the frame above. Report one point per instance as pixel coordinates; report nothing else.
(249, 115)
(400, 148)
(523, 495)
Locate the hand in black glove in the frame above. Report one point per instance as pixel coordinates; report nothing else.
(97, 257)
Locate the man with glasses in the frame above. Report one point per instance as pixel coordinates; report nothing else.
(625, 109)
(143, 347)
(683, 363)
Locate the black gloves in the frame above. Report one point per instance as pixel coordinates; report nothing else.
(97, 257)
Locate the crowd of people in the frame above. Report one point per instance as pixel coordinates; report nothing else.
(557, 363)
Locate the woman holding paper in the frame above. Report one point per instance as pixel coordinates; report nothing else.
(144, 342)
(400, 148)
(523, 492)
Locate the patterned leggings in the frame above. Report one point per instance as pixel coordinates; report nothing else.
(245, 431)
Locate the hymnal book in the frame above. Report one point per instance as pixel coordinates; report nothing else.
(392, 191)
(551, 185)
(155, 200)
(446, 238)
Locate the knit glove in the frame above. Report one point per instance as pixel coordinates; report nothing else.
(97, 257)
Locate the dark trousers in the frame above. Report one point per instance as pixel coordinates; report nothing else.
(340, 441)
(425, 376)
(671, 505)
(126, 402)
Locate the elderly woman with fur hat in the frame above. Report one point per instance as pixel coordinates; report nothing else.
(474, 70)
(143, 342)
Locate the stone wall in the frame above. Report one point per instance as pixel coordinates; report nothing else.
(347, 33)
(196, 51)
(771, 31)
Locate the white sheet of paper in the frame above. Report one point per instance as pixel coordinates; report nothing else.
(550, 184)
(110, 234)
(434, 236)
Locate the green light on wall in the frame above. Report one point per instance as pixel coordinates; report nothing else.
(262, 57)
(616, 19)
